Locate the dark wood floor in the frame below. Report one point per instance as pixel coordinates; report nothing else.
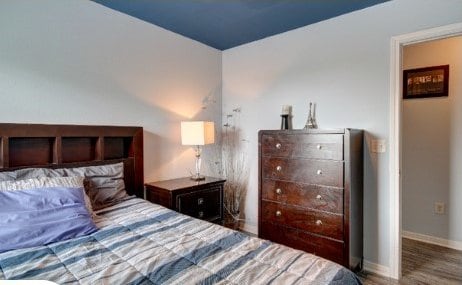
(423, 263)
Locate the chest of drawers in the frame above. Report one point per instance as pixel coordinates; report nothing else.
(311, 192)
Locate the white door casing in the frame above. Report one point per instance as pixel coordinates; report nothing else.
(397, 44)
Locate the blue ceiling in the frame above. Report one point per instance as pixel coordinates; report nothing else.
(224, 24)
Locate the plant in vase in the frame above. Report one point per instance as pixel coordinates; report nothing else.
(233, 168)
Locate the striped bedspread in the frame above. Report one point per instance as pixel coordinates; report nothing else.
(143, 243)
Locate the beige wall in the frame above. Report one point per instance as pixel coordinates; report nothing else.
(77, 62)
(432, 163)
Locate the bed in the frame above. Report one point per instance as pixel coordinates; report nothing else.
(135, 241)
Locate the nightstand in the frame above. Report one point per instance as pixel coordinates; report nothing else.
(199, 199)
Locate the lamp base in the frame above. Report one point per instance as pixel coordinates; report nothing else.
(197, 177)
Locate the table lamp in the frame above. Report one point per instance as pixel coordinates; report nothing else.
(197, 133)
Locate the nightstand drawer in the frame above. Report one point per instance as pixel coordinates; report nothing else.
(202, 204)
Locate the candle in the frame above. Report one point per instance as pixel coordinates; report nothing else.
(286, 110)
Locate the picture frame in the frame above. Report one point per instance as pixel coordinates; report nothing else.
(426, 82)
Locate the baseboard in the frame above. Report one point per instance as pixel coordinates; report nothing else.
(457, 245)
(376, 268)
(246, 227)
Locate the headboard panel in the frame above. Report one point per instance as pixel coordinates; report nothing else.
(57, 146)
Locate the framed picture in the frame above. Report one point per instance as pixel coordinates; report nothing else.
(426, 82)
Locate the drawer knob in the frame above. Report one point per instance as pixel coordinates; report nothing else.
(278, 146)
(200, 201)
(319, 172)
(278, 191)
(319, 146)
(318, 222)
(278, 213)
(278, 168)
(200, 214)
(319, 197)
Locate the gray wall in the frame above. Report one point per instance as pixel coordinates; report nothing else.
(342, 64)
(77, 62)
(432, 164)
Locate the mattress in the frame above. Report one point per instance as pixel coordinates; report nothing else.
(143, 243)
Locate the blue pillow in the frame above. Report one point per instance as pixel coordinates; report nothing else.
(31, 218)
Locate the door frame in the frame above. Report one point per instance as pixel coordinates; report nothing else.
(397, 44)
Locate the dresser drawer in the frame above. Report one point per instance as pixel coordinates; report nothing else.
(203, 205)
(317, 197)
(322, 223)
(320, 172)
(319, 146)
(326, 248)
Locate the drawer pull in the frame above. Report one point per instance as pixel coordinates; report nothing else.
(200, 201)
(318, 222)
(278, 191)
(319, 197)
(319, 146)
(278, 213)
(278, 146)
(319, 172)
(278, 168)
(200, 214)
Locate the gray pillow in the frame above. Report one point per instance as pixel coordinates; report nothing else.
(105, 182)
(8, 176)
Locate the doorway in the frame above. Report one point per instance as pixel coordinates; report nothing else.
(397, 44)
(431, 121)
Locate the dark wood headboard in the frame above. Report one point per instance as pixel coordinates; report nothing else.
(59, 146)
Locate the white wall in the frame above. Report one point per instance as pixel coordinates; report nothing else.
(77, 62)
(342, 64)
(431, 146)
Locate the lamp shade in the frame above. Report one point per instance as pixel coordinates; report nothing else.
(197, 133)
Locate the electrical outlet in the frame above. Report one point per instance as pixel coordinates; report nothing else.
(439, 208)
(378, 146)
